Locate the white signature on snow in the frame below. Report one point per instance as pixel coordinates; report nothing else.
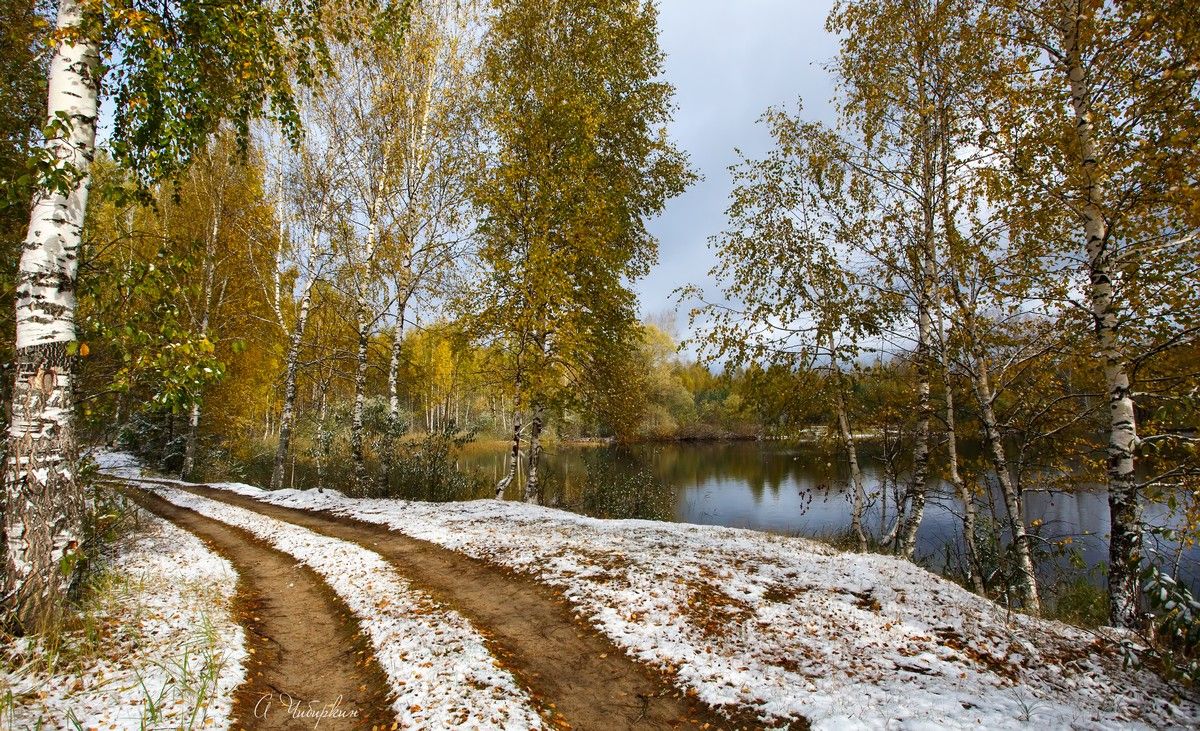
(315, 711)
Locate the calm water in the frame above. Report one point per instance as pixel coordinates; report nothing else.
(802, 490)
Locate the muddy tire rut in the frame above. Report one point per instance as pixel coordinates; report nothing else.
(305, 646)
(563, 662)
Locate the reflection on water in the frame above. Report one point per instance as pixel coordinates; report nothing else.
(801, 490)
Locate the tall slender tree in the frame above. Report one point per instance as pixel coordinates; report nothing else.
(890, 67)
(435, 75)
(305, 192)
(231, 205)
(1100, 138)
(577, 108)
(796, 286)
(915, 73)
(352, 119)
(173, 82)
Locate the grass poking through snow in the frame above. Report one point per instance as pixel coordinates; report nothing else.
(152, 644)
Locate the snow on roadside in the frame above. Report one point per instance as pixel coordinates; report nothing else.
(441, 671)
(791, 627)
(167, 652)
(117, 464)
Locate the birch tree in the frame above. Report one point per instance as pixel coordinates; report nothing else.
(983, 276)
(396, 126)
(577, 110)
(795, 286)
(351, 119)
(889, 67)
(229, 188)
(915, 75)
(43, 502)
(435, 82)
(172, 83)
(994, 342)
(305, 203)
(1102, 138)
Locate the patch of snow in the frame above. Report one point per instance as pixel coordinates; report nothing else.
(166, 652)
(441, 671)
(117, 464)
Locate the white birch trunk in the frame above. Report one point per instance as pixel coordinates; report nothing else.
(356, 420)
(394, 371)
(393, 423)
(357, 448)
(280, 244)
(189, 447)
(210, 271)
(287, 417)
(515, 455)
(1125, 537)
(42, 506)
(856, 482)
(907, 538)
(974, 573)
(324, 437)
(532, 484)
(981, 381)
(964, 492)
(915, 492)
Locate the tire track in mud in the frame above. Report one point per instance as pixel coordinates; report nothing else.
(305, 646)
(563, 661)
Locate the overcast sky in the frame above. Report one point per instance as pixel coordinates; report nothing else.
(729, 61)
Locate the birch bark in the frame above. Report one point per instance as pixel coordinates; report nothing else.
(856, 511)
(324, 434)
(974, 575)
(515, 454)
(1125, 538)
(364, 322)
(42, 506)
(287, 417)
(532, 481)
(210, 272)
(393, 422)
(953, 241)
(981, 382)
(924, 273)
(356, 419)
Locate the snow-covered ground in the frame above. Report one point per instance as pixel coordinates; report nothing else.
(790, 627)
(442, 674)
(160, 648)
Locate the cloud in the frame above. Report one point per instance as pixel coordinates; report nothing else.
(729, 62)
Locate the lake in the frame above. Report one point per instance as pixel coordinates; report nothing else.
(802, 490)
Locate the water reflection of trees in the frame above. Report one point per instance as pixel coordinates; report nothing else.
(762, 468)
(794, 488)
